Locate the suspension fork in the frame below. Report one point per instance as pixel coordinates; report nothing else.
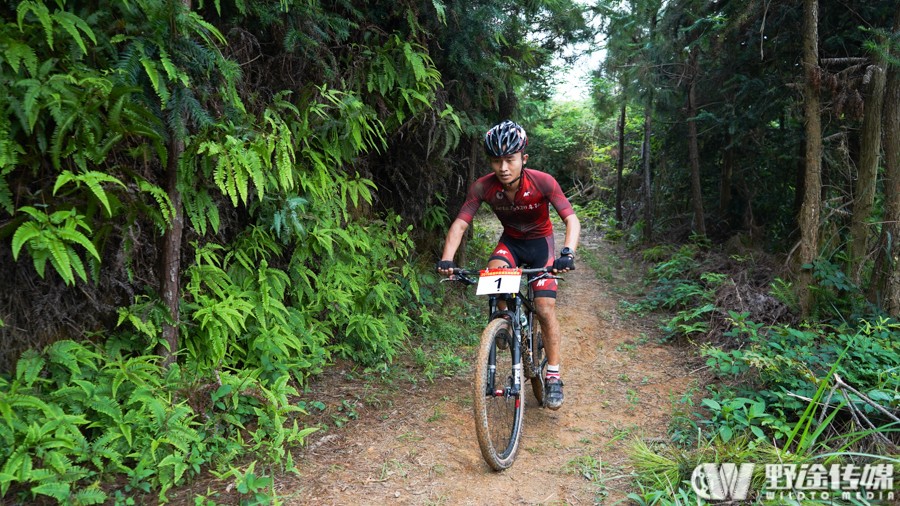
(516, 347)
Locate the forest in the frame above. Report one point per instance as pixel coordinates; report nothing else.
(205, 205)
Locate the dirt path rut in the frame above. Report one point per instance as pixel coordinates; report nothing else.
(422, 450)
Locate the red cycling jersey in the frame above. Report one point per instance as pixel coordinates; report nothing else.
(528, 215)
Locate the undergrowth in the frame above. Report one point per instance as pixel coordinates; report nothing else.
(778, 390)
(79, 416)
(92, 423)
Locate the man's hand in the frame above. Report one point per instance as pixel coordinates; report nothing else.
(445, 267)
(564, 263)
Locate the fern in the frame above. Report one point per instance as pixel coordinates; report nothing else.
(71, 356)
(41, 12)
(91, 179)
(75, 26)
(279, 147)
(356, 189)
(28, 368)
(165, 211)
(91, 495)
(18, 54)
(56, 490)
(70, 23)
(52, 237)
(201, 211)
(237, 164)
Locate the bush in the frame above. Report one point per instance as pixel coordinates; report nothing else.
(77, 415)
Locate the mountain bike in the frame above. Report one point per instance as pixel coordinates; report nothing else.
(511, 352)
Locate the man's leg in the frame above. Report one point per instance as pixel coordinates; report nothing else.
(546, 311)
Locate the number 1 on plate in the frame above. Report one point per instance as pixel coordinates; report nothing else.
(497, 281)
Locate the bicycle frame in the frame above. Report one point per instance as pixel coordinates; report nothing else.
(510, 338)
(517, 303)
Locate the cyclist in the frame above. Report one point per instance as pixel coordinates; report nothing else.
(521, 198)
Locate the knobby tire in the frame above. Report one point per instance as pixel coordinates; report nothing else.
(540, 360)
(498, 418)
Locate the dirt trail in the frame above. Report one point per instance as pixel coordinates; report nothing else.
(422, 450)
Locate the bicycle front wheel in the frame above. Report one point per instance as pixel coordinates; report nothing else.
(498, 397)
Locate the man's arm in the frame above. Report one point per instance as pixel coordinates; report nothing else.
(454, 239)
(573, 232)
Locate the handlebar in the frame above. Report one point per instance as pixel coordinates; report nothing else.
(470, 277)
(463, 275)
(466, 272)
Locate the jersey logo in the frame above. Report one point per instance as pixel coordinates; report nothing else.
(501, 252)
(526, 194)
(541, 282)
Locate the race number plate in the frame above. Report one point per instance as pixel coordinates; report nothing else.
(495, 281)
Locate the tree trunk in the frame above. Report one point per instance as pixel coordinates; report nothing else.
(620, 166)
(725, 183)
(645, 162)
(811, 208)
(694, 151)
(891, 228)
(170, 266)
(474, 145)
(868, 171)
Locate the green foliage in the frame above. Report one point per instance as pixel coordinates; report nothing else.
(363, 298)
(792, 364)
(836, 296)
(76, 413)
(785, 293)
(266, 159)
(246, 313)
(61, 112)
(255, 490)
(739, 414)
(561, 142)
(238, 304)
(768, 373)
(689, 321)
(72, 414)
(678, 265)
(52, 237)
(596, 212)
(403, 73)
(448, 334)
(91, 179)
(146, 316)
(294, 258)
(436, 216)
(673, 288)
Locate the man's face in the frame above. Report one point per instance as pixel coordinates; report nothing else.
(508, 168)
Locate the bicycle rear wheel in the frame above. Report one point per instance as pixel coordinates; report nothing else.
(540, 363)
(498, 398)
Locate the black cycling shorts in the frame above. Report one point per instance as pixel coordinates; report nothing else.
(531, 253)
